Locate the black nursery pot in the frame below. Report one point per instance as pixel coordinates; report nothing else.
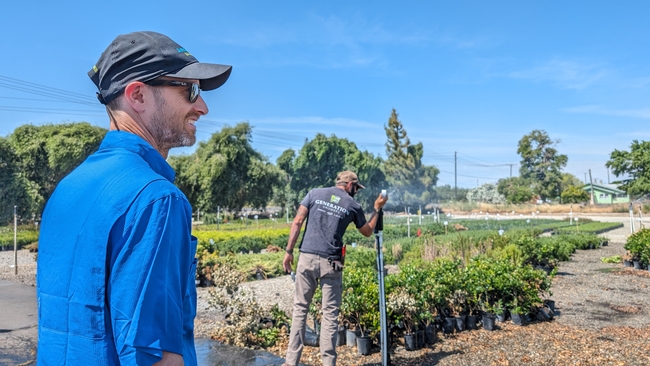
(460, 323)
(627, 263)
(471, 322)
(637, 264)
(502, 317)
(488, 322)
(350, 338)
(340, 341)
(550, 304)
(363, 345)
(449, 325)
(410, 342)
(430, 332)
(420, 338)
(518, 319)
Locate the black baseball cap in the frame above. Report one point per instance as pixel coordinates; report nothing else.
(144, 56)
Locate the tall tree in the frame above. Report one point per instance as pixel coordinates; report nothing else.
(226, 171)
(48, 153)
(322, 158)
(541, 163)
(411, 182)
(15, 189)
(634, 165)
(283, 196)
(515, 189)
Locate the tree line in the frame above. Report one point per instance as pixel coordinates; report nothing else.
(227, 172)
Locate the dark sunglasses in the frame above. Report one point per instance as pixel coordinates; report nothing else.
(193, 88)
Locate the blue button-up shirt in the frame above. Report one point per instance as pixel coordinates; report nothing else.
(116, 262)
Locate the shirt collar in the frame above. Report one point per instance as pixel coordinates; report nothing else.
(137, 145)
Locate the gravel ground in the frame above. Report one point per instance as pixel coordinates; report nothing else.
(602, 318)
(26, 267)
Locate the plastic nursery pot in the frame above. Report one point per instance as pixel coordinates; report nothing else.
(430, 332)
(420, 338)
(637, 264)
(363, 345)
(311, 338)
(518, 319)
(471, 322)
(550, 304)
(502, 317)
(460, 323)
(340, 340)
(604, 243)
(488, 322)
(449, 325)
(350, 338)
(627, 263)
(410, 342)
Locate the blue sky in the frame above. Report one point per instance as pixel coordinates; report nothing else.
(470, 77)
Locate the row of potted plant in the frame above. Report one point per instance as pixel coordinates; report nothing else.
(427, 294)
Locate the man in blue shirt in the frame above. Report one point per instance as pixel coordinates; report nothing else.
(116, 264)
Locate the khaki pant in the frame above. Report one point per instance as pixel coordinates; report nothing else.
(312, 268)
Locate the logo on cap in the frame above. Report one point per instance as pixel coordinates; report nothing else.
(183, 50)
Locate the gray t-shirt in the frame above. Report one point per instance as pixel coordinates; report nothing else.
(331, 210)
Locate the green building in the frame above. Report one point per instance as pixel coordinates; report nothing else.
(607, 194)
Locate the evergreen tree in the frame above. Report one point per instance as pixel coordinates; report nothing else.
(411, 182)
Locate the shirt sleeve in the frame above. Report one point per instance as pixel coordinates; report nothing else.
(148, 284)
(359, 218)
(307, 200)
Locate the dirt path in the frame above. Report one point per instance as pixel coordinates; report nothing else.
(592, 294)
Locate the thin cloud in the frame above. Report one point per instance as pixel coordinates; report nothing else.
(567, 74)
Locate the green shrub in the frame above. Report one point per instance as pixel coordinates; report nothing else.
(638, 243)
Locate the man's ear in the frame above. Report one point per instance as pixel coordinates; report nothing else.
(135, 95)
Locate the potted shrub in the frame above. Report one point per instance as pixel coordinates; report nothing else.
(402, 307)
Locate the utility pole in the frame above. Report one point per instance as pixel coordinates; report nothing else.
(15, 240)
(455, 177)
(510, 169)
(591, 182)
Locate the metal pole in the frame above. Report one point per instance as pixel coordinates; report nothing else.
(420, 215)
(218, 212)
(287, 214)
(385, 350)
(455, 178)
(408, 222)
(591, 183)
(631, 220)
(15, 240)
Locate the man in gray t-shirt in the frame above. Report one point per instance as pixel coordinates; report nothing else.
(328, 212)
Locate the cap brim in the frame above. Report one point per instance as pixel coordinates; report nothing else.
(211, 76)
(360, 186)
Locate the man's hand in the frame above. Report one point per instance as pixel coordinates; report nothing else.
(287, 263)
(170, 359)
(380, 202)
(367, 229)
